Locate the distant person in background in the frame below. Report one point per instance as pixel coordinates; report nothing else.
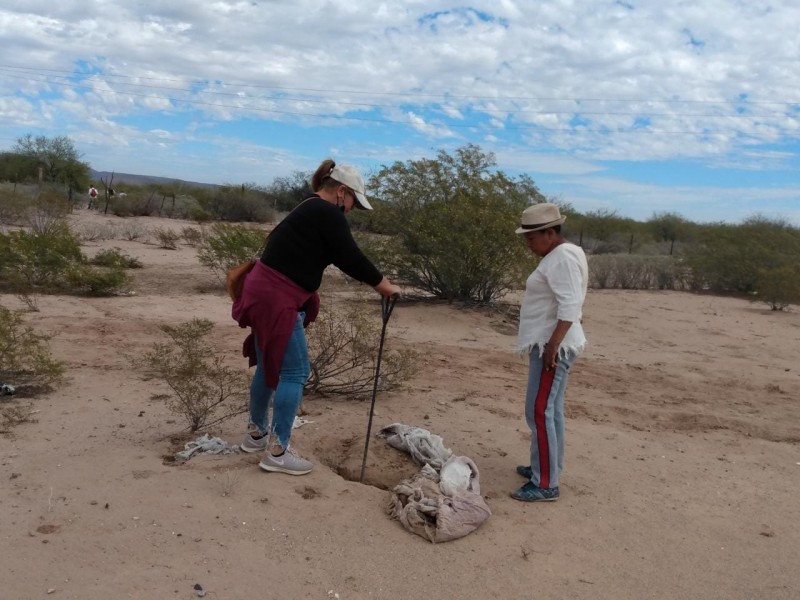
(92, 196)
(279, 299)
(550, 332)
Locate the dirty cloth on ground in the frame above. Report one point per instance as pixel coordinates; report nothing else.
(207, 445)
(438, 503)
(423, 446)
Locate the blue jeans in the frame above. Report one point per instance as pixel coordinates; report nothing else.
(294, 373)
(544, 412)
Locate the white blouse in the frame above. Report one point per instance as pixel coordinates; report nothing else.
(554, 291)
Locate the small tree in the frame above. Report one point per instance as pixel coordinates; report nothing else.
(668, 227)
(58, 158)
(284, 193)
(452, 221)
(206, 391)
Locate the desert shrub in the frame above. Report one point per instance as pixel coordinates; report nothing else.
(730, 258)
(343, 348)
(779, 287)
(206, 391)
(84, 279)
(29, 261)
(632, 272)
(52, 262)
(116, 258)
(29, 300)
(46, 214)
(192, 236)
(132, 231)
(94, 232)
(226, 246)
(601, 271)
(25, 358)
(133, 205)
(166, 237)
(636, 272)
(233, 203)
(669, 273)
(124, 207)
(13, 413)
(200, 215)
(12, 207)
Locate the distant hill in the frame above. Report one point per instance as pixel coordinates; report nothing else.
(132, 179)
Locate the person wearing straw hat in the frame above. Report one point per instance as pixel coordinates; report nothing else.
(279, 299)
(550, 332)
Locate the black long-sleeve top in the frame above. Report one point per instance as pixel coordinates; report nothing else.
(314, 235)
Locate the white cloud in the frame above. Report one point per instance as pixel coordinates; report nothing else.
(711, 82)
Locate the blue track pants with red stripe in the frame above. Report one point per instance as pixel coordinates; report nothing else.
(544, 412)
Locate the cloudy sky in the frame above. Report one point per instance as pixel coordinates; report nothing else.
(638, 107)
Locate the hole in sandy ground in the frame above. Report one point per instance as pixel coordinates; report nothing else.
(386, 466)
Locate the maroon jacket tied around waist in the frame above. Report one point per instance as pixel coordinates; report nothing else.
(269, 305)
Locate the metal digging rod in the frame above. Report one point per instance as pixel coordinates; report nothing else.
(387, 304)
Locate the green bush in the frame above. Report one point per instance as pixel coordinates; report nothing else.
(451, 222)
(731, 258)
(779, 287)
(232, 203)
(206, 391)
(116, 258)
(200, 215)
(84, 279)
(25, 358)
(50, 263)
(29, 261)
(227, 246)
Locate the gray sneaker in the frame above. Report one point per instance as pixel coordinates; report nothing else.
(288, 462)
(251, 444)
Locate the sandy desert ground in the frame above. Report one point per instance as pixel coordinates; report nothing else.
(681, 482)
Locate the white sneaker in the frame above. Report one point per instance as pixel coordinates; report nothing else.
(251, 444)
(289, 462)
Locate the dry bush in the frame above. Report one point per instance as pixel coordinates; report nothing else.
(343, 348)
(12, 413)
(46, 214)
(95, 232)
(29, 300)
(132, 231)
(12, 207)
(637, 272)
(192, 236)
(206, 391)
(166, 237)
(229, 481)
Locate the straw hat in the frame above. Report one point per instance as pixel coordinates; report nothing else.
(540, 216)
